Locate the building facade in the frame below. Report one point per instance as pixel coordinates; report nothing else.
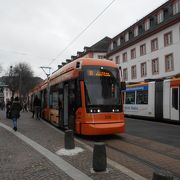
(96, 51)
(150, 48)
(5, 92)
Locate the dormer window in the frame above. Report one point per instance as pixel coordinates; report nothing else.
(136, 31)
(130, 34)
(86, 49)
(114, 44)
(122, 39)
(119, 42)
(147, 24)
(126, 36)
(140, 28)
(160, 16)
(111, 46)
(176, 7)
(152, 21)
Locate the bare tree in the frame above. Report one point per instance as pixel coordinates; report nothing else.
(20, 79)
(11, 80)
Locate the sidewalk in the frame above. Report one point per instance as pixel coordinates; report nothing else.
(30, 153)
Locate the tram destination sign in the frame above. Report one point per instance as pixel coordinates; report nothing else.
(98, 73)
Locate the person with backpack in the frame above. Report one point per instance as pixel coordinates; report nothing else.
(15, 112)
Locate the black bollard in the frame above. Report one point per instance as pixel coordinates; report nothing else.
(162, 175)
(99, 157)
(69, 139)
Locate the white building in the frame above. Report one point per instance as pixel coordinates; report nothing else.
(7, 93)
(150, 48)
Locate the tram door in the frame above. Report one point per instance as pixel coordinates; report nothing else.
(175, 103)
(65, 105)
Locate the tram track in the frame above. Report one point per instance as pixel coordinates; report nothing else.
(146, 156)
(143, 161)
(123, 145)
(147, 144)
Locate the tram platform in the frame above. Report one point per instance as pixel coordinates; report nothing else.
(31, 153)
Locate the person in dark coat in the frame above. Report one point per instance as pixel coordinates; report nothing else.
(8, 108)
(36, 107)
(15, 112)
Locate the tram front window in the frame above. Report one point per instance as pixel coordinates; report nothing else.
(102, 86)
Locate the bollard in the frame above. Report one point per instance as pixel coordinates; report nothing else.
(99, 157)
(162, 175)
(69, 139)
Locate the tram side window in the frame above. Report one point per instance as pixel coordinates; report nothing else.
(175, 98)
(142, 97)
(130, 98)
(44, 99)
(55, 100)
(50, 100)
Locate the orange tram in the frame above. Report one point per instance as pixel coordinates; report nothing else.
(85, 96)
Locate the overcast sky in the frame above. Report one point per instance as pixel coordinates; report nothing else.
(36, 31)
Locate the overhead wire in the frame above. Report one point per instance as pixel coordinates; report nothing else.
(82, 32)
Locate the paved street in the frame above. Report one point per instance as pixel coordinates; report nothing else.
(23, 154)
(158, 131)
(20, 161)
(30, 153)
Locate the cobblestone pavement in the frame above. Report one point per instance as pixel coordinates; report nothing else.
(20, 161)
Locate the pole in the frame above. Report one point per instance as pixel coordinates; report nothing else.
(48, 88)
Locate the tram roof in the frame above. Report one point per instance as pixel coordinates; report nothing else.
(72, 66)
(83, 62)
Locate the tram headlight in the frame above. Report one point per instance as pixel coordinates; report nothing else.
(94, 110)
(113, 110)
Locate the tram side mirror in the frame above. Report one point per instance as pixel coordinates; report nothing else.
(123, 85)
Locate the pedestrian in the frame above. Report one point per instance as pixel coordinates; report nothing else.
(2, 105)
(15, 112)
(36, 107)
(24, 104)
(8, 108)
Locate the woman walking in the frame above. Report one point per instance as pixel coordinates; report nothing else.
(15, 112)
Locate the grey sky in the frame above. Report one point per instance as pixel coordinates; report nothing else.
(35, 31)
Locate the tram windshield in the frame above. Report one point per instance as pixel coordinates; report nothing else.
(102, 86)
